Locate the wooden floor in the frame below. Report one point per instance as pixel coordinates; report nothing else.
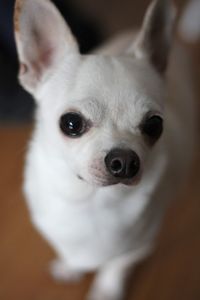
(172, 273)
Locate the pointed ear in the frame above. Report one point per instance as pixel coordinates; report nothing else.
(43, 39)
(154, 39)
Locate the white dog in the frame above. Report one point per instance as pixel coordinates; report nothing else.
(114, 136)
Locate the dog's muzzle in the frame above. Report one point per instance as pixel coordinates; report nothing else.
(122, 163)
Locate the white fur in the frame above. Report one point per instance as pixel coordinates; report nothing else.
(110, 228)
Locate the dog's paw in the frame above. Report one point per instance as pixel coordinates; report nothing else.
(62, 273)
(101, 294)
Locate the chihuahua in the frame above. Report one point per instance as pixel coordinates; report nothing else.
(114, 137)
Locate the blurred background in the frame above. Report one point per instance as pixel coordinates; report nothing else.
(173, 272)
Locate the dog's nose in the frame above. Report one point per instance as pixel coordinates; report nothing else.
(122, 163)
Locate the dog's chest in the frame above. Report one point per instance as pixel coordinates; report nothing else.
(88, 230)
(92, 232)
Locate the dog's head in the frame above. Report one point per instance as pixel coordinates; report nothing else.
(101, 114)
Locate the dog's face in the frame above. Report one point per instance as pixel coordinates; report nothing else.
(101, 114)
(104, 116)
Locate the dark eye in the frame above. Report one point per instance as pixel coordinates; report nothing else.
(153, 127)
(73, 124)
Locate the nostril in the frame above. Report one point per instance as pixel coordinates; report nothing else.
(133, 164)
(116, 165)
(132, 168)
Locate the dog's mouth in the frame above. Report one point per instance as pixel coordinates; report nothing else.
(105, 181)
(98, 181)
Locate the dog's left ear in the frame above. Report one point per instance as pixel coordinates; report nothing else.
(43, 39)
(154, 39)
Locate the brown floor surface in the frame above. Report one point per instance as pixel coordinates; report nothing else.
(172, 273)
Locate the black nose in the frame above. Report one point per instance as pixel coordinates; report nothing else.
(122, 163)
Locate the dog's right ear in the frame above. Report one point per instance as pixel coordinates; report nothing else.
(43, 40)
(154, 40)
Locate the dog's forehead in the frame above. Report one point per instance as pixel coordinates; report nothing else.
(116, 88)
(117, 84)
(114, 79)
